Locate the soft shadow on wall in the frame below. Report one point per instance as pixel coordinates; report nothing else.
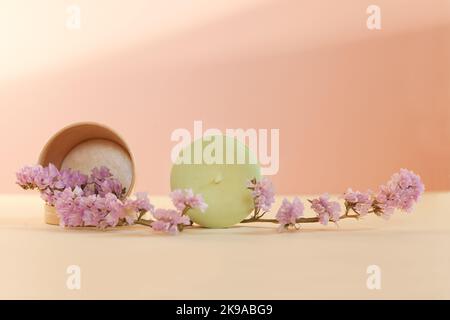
(351, 109)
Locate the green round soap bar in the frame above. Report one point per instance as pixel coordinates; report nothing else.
(218, 168)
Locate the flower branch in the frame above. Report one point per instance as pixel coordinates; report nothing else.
(99, 200)
(401, 192)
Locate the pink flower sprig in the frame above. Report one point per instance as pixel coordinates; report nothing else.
(326, 209)
(98, 200)
(80, 200)
(289, 213)
(185, 200)
(174, 221)
(75, 209)
(140, 203)
(102, 182)
(170, 221)
(401, 192)
(358, 202)
(263, 194)
(50, 181)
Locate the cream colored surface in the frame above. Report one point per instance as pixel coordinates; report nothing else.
(413, 252)
(100, 152)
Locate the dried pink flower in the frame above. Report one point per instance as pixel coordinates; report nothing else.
(386, 201)
(185, 199)
(360, 202)
(326, 210)
(402, 191)
(289, 212)
(141, 203)
(104, 182)
(49, 181)
(26, 175)
(99, 174)
(68, 208)
(263, 194)
(38, 177)
(76, 210)
(71, 178)
(170, 221)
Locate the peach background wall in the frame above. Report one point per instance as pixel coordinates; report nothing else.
(352, 105)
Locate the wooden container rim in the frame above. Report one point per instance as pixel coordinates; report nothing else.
(118, 140)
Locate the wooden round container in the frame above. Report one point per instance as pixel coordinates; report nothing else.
(83, 146)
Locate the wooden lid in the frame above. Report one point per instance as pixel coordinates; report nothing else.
(83, 146)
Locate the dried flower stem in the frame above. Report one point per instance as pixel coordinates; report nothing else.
(144, 222)
(300, 220)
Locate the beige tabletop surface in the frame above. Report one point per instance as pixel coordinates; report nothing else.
(412, 252)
